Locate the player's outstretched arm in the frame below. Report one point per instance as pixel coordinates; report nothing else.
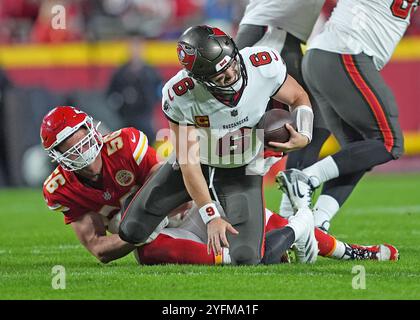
(187, 149)
(91, 232)
(188, 156)
(292, 94)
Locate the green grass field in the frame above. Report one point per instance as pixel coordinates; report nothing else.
(384, 208)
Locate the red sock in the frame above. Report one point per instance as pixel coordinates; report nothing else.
(326, 242)
(165, 249)
(275, 222)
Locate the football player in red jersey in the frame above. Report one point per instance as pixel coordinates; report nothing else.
(96, 175)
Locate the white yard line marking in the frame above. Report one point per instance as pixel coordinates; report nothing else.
(415, 209)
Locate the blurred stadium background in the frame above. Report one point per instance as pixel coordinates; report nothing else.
(111, 60)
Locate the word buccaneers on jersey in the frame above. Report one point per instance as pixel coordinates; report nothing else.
(227, 134)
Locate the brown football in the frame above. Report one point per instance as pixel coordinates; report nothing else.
(274, 124)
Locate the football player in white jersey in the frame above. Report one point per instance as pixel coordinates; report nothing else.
(285, 25)
(341, 70)
(213, 106)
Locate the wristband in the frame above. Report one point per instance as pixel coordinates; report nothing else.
(304, 120)
(209, 212)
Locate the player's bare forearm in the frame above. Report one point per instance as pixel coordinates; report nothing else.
(188, 156)
(91, 232)
(196, 184)
(109, 248)
(292, 94)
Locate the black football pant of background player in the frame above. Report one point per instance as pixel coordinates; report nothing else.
(240, 195)
(359, 109)
(291, 51)
(369, 153)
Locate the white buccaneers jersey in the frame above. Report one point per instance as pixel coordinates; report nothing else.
(227, 134)
(297, 17)
(373, 27)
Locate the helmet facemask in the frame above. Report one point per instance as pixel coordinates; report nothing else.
(234, 87)
(84, 152)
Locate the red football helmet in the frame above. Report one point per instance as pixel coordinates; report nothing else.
(62, 122)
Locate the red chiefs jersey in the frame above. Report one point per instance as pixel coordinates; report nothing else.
(127, 160)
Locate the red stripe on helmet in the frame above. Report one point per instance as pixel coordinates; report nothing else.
(218, 32)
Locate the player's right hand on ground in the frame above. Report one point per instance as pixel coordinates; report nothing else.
(216, 233)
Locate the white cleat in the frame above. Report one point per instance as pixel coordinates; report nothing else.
(305, 246)
(297, 186)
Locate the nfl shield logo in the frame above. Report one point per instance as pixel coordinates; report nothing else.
(107, 195)
(234, 113)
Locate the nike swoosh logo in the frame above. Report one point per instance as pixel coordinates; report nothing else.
(297, 191)
(133, 138)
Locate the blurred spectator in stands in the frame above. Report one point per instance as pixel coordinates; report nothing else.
(16, 19)
(414, 27)
(135, 90)
(185, 13)
(43, 30)
(103, 19)
(148, 17)
(224, 14)
(4, 84)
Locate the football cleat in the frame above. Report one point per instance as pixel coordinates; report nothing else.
(288, 257)
(306, 245)
(297, 186)
(381, 252)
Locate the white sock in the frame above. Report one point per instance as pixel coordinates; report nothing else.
(297, 224)
(226, 256)
(339, 250)
(285, 209)
(325, 209)
(321, 171)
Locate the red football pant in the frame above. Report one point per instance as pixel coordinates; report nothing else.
(165, 249)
